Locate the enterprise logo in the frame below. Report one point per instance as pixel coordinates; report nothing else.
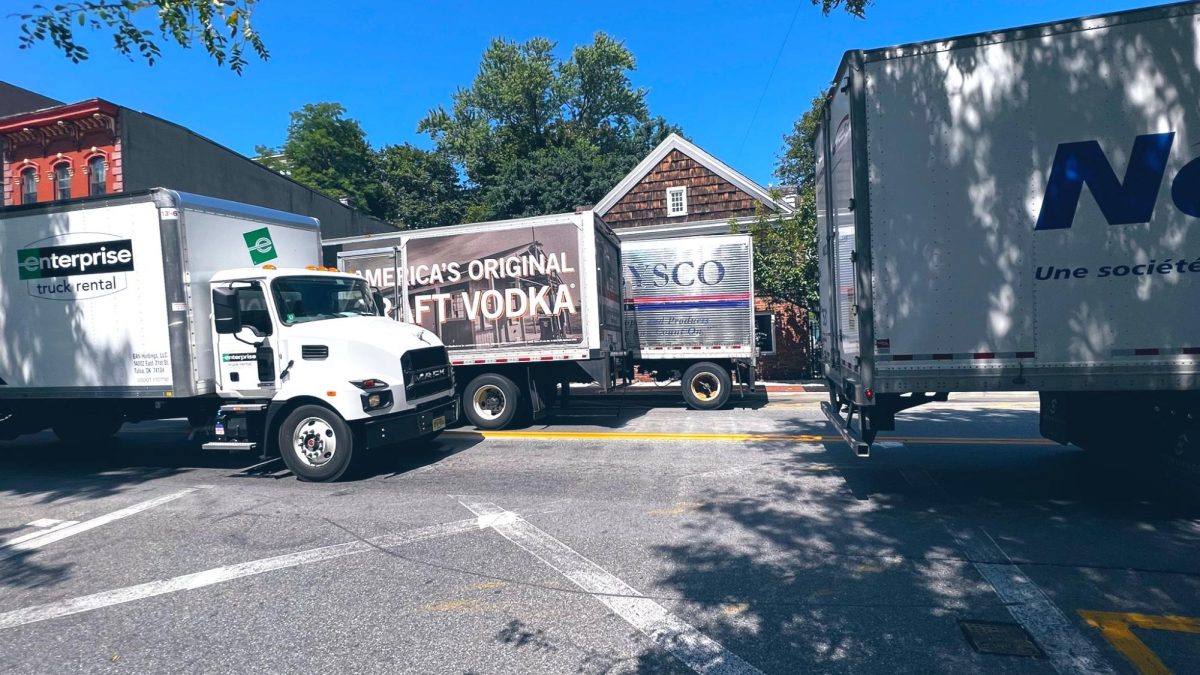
(74, 259)
(260, 245)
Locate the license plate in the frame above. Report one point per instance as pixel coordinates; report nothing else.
(439, 423)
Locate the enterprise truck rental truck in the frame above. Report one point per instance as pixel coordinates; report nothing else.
(161, 304)
(1018, 210)
(522, 305)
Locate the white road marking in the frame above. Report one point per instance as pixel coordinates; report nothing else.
(43, 529)
(58, 534)
(217, 575)
(1067, 649)
(699, 652)
(43, 523)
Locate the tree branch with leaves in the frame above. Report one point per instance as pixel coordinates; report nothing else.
(222, 27)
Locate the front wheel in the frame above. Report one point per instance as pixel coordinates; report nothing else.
(490, 401)
(316, 443)
(706, 386)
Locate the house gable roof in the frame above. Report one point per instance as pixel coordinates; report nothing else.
(677, 142)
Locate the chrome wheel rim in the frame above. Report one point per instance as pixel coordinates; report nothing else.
(488, 402)
(314, 442)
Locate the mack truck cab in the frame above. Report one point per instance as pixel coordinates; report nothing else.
(306, 364)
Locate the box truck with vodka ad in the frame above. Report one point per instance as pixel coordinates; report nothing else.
(523, 305)
(161, 304)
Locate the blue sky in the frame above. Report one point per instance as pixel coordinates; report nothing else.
(704, 63)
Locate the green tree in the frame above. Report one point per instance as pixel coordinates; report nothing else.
(421, 187)
(797, 162)
(533, 134)
(329, 152)
(853, 7)
(785, 247)
(221, 27)
(401, 184)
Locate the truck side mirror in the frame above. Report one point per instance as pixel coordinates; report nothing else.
(380, 307)
(227, 313)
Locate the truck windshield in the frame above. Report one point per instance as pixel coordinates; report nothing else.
(302, 299)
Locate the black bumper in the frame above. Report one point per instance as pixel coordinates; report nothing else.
(410, 424)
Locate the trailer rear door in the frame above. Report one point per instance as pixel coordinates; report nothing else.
(835, 191)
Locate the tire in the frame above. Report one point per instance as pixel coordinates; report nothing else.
(88, 429)
(316, 444)
(491, 401)
(706, 386)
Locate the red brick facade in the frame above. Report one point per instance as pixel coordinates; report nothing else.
(75, 137)
(791, 360)
(709, 196)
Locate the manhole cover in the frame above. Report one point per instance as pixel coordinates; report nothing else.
(995, 637)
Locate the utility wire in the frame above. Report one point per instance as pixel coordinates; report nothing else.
(771, 76)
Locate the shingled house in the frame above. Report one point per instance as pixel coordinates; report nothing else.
(680, 190)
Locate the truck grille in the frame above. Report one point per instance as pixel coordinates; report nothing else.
(426, 372)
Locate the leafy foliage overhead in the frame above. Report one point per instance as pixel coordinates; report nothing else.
(854, 7)
(221, 27)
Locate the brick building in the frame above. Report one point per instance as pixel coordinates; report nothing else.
(51, 151)
(681, 190)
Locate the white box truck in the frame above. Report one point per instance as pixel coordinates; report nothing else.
(689, 313)
(1017, 210)
(522, 305)
(161, 304)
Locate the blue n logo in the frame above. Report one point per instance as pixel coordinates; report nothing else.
(1122, 202)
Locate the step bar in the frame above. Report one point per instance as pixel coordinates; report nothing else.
(860, 447)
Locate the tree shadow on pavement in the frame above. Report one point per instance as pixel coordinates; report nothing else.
(817, 562)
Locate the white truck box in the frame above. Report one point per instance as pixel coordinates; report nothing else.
(110, 298)
(535, 301)
(1014, 210)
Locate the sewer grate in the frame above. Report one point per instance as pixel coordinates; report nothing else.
(996, 637)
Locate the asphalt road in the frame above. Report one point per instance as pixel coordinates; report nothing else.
(629, 535)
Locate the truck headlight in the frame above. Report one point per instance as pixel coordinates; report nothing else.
(376, 395)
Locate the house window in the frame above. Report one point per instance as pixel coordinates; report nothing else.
(62, 181)
(677, 201)
(97, 176)
(29, 186)
(764, 333)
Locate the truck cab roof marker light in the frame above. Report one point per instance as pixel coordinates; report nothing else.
(269, 267)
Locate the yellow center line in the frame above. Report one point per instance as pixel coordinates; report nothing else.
(1116, 627)
(735, 438)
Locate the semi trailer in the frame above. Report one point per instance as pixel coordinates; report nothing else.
(1017, 211)
(161, 304)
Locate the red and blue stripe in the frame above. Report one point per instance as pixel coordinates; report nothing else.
(678, 302)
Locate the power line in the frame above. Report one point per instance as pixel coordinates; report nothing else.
(778, 56)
